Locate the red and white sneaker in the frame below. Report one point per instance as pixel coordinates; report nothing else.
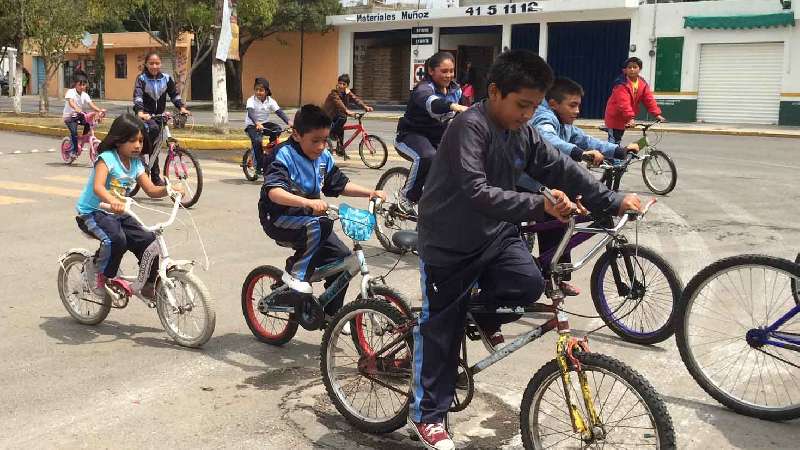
(433, 435)
(496, 339)
(570, 290)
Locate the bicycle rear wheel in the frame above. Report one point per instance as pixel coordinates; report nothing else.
(75, 287)
(191, 322)
(249, 166)
(659, 173)
(373, 152)
(724, 312)
(274, 328)
(392, 217)
(641, 305)
(371, 388)
(184, 168)
(631, 413)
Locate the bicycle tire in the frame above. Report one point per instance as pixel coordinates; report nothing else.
(186, 278)
(66, 151)
(658, 154)
(550, 373)
(187, 201)
(248, 166)
(684, 341)
(796, 283)
(387, 208)
(250, 307)
(658, 330)
(102, 309)
(94, 145)
(381, 151)
(382, 293)
(395, 419)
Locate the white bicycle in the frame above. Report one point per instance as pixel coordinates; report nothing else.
(182, 301)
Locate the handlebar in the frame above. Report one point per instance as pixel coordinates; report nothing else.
(360, 115)
(159, 226)
(374, 204)
(645, 126)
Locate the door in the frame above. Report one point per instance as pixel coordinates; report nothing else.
(592, 54)
(41, 76)
(740, 83)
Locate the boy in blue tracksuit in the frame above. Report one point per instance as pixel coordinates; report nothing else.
(290, 208)
(554, 120)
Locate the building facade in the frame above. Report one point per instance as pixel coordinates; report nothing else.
(716, 61)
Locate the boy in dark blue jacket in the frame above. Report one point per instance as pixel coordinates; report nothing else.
(290, 208)
(466, 225)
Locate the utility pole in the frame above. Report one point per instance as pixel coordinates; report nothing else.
(218, 86)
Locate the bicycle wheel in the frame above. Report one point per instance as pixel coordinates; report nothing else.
(373, 152)
(796, 283)
(249, 166)
(631, 413)
(372, 390)
(274, 328)
(75, 287)
(721, 325)
(391, 218)
(659, 173)
(383, 293)
(184, 168)
(191, 322)
(94, 145)
(641, 305)
(66, 150)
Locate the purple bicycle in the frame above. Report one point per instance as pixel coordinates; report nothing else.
(738, 332)
(634, 289)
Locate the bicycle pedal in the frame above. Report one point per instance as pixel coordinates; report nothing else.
(472, 332)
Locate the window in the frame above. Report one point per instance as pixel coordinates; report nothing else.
(121, 66)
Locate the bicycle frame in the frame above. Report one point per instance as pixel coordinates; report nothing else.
(359, 130)
(163, 138)
(789, 341)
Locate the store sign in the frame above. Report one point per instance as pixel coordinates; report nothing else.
(500, 9)
(422, 48)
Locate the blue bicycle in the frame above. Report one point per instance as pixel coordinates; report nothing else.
(738, 333)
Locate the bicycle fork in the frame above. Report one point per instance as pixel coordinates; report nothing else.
(592, 428)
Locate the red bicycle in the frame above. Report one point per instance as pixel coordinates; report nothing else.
(371, 148)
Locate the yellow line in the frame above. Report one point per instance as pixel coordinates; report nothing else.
(39, 188)
(68, 178)
(5, 200)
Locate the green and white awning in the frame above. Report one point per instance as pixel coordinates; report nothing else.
(742, 22)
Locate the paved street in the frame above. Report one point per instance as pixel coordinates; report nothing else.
(124, 384)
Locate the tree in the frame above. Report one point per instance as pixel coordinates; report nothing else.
(52, 28)
(166, 20)
(259, 19)
(12, 34)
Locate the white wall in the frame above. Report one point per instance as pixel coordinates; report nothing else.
(669, 23)
(452, 41)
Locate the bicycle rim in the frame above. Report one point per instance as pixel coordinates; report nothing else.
(720, 313)
(376, 393)
(183, 168)
(187, 322)
(658, 173)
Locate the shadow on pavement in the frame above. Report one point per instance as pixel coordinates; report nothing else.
(67, 331)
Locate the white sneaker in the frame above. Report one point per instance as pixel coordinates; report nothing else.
(296, 285)
(346, 329)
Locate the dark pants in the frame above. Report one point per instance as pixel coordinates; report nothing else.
(72, 124)
(256, 137)
(509, 277)
(315, 245)
(117, 234)
(153, 129)
(337, 127)
(615, 136)
(421, 151)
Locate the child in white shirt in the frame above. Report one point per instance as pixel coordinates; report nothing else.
(259, 107)
(77, 101)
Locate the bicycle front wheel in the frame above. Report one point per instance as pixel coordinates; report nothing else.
(369, 382)
(636, 292)
(191, 321)
(182, 167)
(630, 411)
(249, 166)
(659, 173)
(723, 335)
(373, 152)
(392, 217)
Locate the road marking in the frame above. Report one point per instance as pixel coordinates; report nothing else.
(16, 152)
(231, 172)
(35, 150)
(6, 200)
(39, 188)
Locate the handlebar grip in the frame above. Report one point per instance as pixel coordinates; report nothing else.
(105, 206)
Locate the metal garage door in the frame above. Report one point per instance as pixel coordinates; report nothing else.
(740, 83)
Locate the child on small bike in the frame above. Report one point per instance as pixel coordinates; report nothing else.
(554, 120)
(466, 231)
(256, 124)
(629, 90)
(117, 168)
(337, 107)
(290, 208)
(76, 102)
(149, 98)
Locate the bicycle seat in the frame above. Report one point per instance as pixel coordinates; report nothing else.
(405, 240)
(84, 229)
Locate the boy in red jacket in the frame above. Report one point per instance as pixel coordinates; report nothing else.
(623, 106)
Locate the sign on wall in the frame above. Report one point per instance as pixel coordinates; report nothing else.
(488, 10)
(422, 48)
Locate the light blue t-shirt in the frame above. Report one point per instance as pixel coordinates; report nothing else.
(119, 182)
